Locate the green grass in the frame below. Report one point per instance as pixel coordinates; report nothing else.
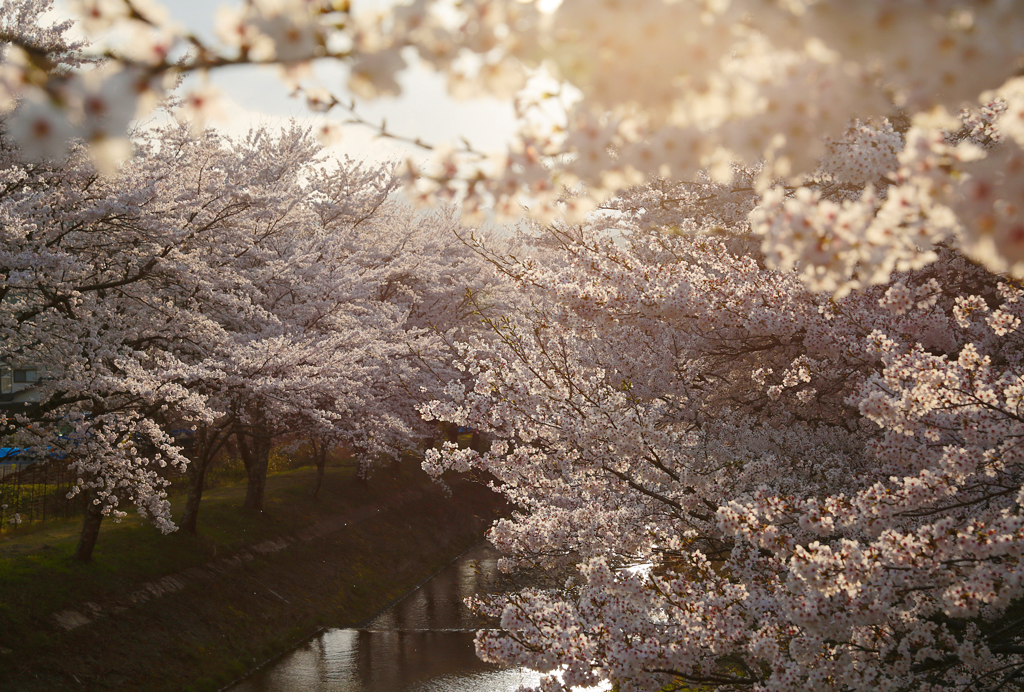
(202, 636)
(38, 575)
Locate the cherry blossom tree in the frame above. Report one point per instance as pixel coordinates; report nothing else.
(249, 192)
(764, 413)
(751, 485)
(302, 338)
(342, 299)
(86, 263)
(434, 274)
(236, 287)
(129, 292)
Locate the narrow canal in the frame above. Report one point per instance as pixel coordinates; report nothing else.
(424, 643)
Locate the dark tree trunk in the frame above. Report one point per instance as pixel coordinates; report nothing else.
(196, 472)
(209, 442)
(320, 458)
(319, 480)
(90, 529)
(256, 457)
(93, 515)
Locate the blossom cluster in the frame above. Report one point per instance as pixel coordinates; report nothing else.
(654, 88)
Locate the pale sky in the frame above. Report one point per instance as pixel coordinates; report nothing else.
(255, 96)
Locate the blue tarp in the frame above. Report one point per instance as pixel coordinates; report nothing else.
(23, 456)
(16, 458)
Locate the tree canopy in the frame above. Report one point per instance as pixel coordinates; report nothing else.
(751, 372)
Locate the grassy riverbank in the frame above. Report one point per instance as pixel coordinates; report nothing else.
(160, 612)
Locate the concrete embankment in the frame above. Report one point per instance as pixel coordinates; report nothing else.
(202, 626)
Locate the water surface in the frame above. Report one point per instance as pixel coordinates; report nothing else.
(424, 643)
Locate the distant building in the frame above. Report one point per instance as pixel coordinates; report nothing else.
(17, 386)
(16, 383)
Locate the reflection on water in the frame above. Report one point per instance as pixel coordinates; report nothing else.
(424, 643)
(361, 661)
(439, 604)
